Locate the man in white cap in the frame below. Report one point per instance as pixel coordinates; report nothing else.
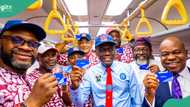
(47, 54)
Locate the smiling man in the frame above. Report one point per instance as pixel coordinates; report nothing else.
(47, 56)
(19, 42)
(111, 83)
(173, 58)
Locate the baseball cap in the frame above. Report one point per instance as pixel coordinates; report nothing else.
(103, 38)
(110, 30)
(45, 46)
(83, 35)
(74, 50)
(15, 24)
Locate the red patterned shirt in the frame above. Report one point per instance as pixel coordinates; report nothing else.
(126, 56)
(14, 89)
(56, 100)
(93, 59)
(62, 59)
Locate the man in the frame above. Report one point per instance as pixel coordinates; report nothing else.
(173, 58)
(123, 53)
(62, 57)
(85, 44)
(74, 55)
(47, 54)
(19, 42)
(144, 60)
(111, 83)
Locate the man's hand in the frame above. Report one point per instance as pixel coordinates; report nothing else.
(42, 91)
(151, 84)
(76, 76)
(154, 68)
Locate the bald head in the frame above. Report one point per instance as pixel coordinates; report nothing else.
(173, 54)
(172, 40)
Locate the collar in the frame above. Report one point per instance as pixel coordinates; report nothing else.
(113, 65)
(185, 72)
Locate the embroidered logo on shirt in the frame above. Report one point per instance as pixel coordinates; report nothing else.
(122, 76)
(98, 78)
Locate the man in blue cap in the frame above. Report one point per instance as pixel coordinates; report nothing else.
(19, 42)
(85, 44)
(111, 83)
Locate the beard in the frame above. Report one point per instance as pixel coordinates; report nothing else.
(18, 66)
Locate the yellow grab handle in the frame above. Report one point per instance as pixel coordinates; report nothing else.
(54, 4)
(36, 5)
(76, 28)
(69, 26)
(178, 4)
(54, 14)
(69, 39)
(144, 20)
(127, 35)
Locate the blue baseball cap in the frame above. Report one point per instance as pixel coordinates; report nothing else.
(87, 36)
(104, 38)
(20, 24)
(71, 51)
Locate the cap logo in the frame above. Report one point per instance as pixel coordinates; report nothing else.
(83, 35)
(103, 38)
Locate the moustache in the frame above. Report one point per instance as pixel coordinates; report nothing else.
(22, 52)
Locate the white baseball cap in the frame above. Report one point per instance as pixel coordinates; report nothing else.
(45, 46)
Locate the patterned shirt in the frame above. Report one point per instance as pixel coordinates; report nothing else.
(62, 59)
(93, 59)
(55, 101)
(126, 56)
(14, 89)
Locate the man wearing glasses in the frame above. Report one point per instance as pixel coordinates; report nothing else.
(19, 42)
(144, 60)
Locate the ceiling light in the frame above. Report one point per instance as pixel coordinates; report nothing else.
(116, 7)
(77, 7)
(83, 29)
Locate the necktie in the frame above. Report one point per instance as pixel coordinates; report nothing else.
(108, 87)
(176, 90)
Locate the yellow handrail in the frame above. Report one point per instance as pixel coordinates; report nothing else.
(178, 4)
(68, 24)
(126, 35)
(54, 14)
(69, 39)
(144, 20)
(76, 28)
(36, 5)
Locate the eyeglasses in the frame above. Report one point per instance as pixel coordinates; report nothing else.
(20, 41)
(140, 49)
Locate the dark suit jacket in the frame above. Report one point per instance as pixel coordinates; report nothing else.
(162, 95)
